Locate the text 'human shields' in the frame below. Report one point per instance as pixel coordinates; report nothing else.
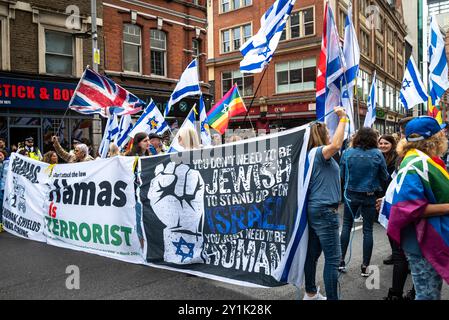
(232, 212)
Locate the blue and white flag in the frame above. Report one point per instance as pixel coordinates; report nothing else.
(151, 121)
(188, 85)
(259, 49)
(125, 126)
(351, 52)
(412, 91)
(334, 71)
(371, 104)
(110, 134)
(189, 122)
(438, 70)
(206, 139)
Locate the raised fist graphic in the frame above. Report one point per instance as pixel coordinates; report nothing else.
(176, 196)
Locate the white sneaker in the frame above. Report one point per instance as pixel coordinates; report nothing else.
(358, 219)
(317, 296)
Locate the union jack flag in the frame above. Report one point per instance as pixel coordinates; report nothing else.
(96, 94)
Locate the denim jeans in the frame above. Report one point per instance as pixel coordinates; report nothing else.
(367, 205)
(427, 281)
(323, 236)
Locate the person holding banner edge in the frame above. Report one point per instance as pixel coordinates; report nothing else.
(322, 217)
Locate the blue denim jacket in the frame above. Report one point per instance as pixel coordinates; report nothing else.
(365, 169)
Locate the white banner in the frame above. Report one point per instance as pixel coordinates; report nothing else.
(24, 198)
(91, 208)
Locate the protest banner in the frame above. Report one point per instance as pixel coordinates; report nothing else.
(91, 207)
(24, 197)
(232, 212)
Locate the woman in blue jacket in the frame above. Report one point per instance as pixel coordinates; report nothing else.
(364, 171)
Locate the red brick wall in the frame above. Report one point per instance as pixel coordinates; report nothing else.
(179, 38)
(253, 14)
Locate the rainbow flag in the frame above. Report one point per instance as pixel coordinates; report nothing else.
(434, 111)
(421, 181)
(229, 106)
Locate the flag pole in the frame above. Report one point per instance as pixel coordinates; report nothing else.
(255, 93)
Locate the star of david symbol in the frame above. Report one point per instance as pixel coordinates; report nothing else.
(203, 126)
(112, 133)
(406, 84)
(181, 253)
(266, 52)
(152, 122)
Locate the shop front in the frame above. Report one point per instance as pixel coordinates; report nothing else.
(37, 107)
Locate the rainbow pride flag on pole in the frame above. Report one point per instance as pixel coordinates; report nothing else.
(229, 106)
(434, 111)
(419, 182)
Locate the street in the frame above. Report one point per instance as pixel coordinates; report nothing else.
(32, 270)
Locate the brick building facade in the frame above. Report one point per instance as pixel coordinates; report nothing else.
(148, 44)
(286, 97)
(45, 46)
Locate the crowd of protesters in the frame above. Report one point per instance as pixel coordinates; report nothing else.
(366, 165)
(365, 169)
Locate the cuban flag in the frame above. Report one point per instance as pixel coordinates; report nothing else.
(151, 121)
(370, 117)
(124, 129)
(259, 49)
(189, 122)
(188, 85)
(412, 91)
(330, 70)
(351, 52)
(438, 70)
(206, 139)
(110, 134)
(97, 94)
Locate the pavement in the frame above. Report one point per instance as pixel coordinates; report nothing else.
(33, 270)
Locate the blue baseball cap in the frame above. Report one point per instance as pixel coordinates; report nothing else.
(424, 127)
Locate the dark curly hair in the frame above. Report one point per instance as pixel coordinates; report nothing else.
(365, 138)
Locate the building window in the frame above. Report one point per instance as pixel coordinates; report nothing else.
(363, 85)
(232, 39)
(58, 52)
(296, 75)
(299, 24)
(391, 65)
(342, 21)
(229, 5)
(365, 43)
(158, 44)
(379, 55)
(131, 48)
(380, 93)
(195, 48)
(245, 82)
(390, 36)
(400, 71)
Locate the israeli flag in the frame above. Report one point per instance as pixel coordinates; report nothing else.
(206, 139)
(188, 85)
(412, 91)
(438, 70)
(259, 49)
(334, 71)
(124, 128)
(371, 104)
(110, 134)
(151, 121)
(351, 52)
(189, 122)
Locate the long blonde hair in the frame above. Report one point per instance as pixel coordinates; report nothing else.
(436, 145)
(189, 138)
(318, 135)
